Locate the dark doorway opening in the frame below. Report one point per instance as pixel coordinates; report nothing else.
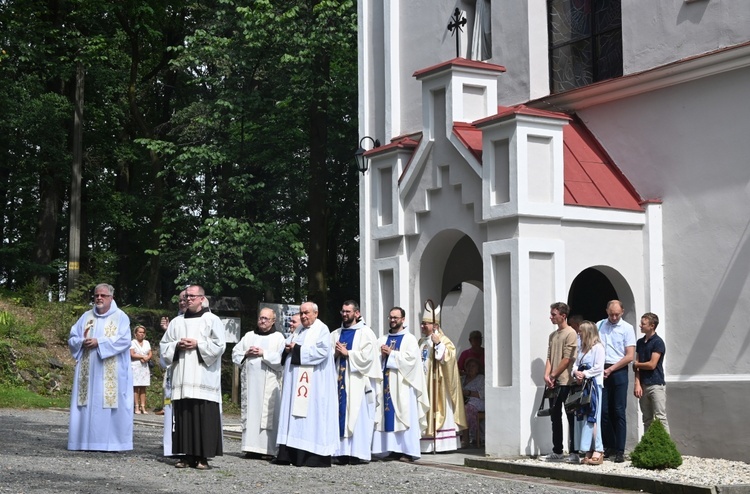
(589, 294)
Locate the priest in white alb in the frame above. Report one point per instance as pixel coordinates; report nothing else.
(356, 354)
(258, 354)
(400, 416)
(101, 406)
(308, 425)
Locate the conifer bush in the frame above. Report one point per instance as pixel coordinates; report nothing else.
(656, 450)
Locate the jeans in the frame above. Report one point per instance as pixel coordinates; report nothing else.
(614, 402)
(588, 432)
(558, 410)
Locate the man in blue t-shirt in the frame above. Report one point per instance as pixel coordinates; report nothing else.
(650, 388)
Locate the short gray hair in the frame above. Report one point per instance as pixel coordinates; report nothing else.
(109, 288)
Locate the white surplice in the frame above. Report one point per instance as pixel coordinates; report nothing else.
(317, 432)
(193, 376)
(195, 373)
(260, 390)
(362, 373)
(101, 406)
(409, 396)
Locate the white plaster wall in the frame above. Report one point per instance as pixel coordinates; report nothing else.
(659, 32)
(463, 313)
(654, 33)
(425, 41)
(689, 146)
(517, 38)
(545, 257)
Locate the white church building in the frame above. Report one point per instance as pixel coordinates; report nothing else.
(565, 150)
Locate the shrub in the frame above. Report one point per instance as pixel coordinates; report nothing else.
(656, 451)
(14, 329)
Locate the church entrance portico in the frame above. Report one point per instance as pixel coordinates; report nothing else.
(450, 262)
(495, 219)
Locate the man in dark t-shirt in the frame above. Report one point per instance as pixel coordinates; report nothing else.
(650, 387)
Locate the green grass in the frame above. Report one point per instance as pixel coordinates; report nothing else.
(15, 397)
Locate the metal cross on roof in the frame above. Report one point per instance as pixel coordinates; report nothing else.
(457, 22)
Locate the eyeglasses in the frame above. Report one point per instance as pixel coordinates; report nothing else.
(101, 295)
(264, 318)
(190, 295)
(394, 318)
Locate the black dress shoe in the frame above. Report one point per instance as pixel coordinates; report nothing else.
(608, 452)
(619, 458)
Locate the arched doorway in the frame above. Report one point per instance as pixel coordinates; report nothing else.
(451, 273)
(593, 288)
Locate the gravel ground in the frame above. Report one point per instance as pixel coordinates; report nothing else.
(695, 471)
(34, 459)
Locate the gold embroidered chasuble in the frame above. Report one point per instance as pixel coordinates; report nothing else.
(447, 385)
(110, 376)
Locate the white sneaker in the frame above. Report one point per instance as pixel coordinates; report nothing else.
(573, 458)
(554, 457)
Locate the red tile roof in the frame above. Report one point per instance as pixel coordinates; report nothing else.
(591, 178)
(471, 137)
(459, 62)
(402, 142)
(506, 111)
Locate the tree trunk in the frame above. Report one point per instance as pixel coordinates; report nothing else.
(317, 274)
(49, 212)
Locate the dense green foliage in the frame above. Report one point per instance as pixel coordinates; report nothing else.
(656, 450)
(217, 144)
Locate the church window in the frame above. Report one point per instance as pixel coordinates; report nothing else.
(585, 42)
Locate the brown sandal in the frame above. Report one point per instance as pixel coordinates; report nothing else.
(596, 459)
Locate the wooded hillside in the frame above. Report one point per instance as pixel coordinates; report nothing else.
(216, 148)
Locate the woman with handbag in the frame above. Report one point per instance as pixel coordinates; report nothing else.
(590, 365)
